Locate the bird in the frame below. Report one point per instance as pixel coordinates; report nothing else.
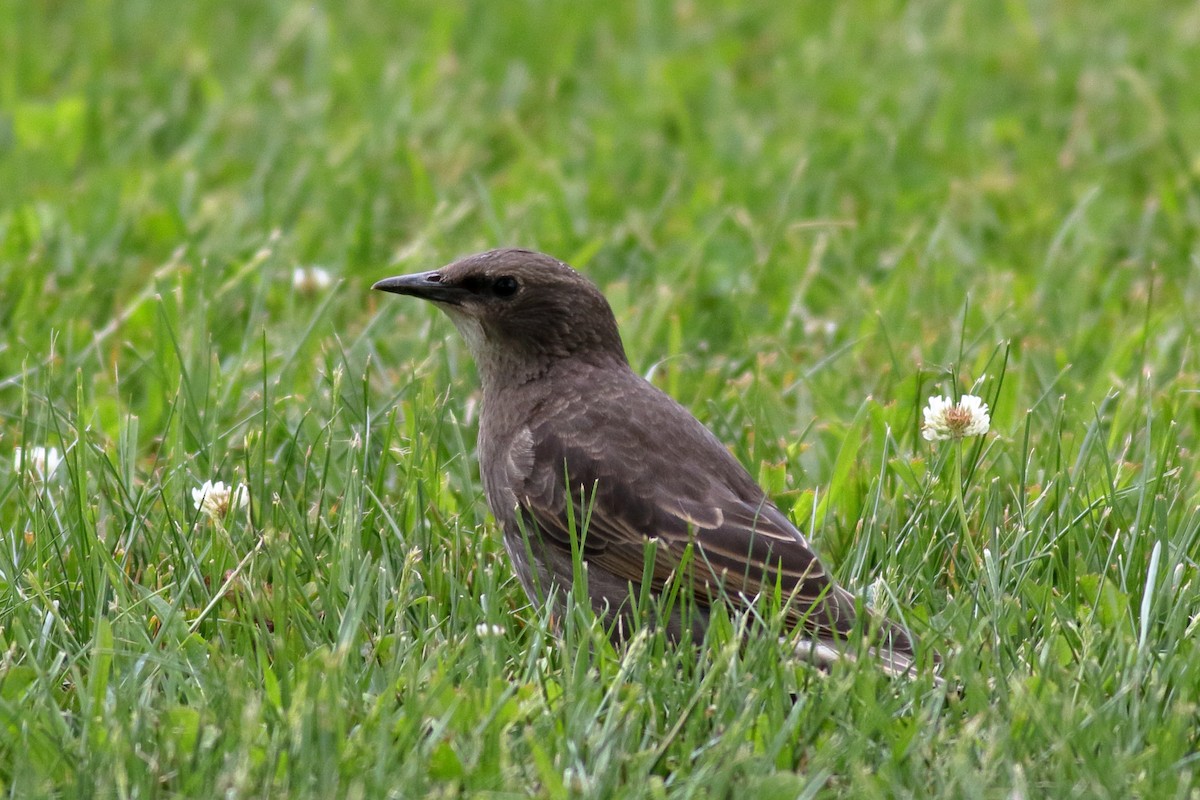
(585, 461)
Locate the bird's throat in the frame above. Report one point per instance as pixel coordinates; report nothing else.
(499, 367)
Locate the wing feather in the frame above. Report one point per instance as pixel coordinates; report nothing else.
(742, 545)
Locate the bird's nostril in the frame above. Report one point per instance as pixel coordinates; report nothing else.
(434, 277)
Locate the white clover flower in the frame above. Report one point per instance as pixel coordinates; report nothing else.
(216, 499)
(486, 629)
(42, 461)
(945, 420)
(310, 280)
(814, 326)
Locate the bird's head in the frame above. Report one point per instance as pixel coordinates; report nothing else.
(518, 309)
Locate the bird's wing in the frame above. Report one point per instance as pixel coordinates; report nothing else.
(621, 496)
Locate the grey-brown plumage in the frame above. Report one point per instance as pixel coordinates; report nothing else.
(561, 407)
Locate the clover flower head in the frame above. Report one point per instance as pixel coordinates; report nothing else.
(485, 629)
(945, 419)
(310, 280)
(215, 500)
(41, 461)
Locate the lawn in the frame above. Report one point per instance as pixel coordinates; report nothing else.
(809, 218)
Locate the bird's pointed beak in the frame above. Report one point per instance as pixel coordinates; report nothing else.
(425, 285)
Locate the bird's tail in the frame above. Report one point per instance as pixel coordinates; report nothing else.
(891, 647)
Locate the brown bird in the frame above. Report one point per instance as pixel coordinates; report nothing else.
(573, 444)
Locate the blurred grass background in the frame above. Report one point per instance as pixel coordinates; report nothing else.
(808, 218)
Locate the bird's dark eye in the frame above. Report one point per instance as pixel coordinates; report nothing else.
(505, 286)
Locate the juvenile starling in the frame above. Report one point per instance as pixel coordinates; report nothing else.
(562, 408)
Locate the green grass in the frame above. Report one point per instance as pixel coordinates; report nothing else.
(808, 220)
